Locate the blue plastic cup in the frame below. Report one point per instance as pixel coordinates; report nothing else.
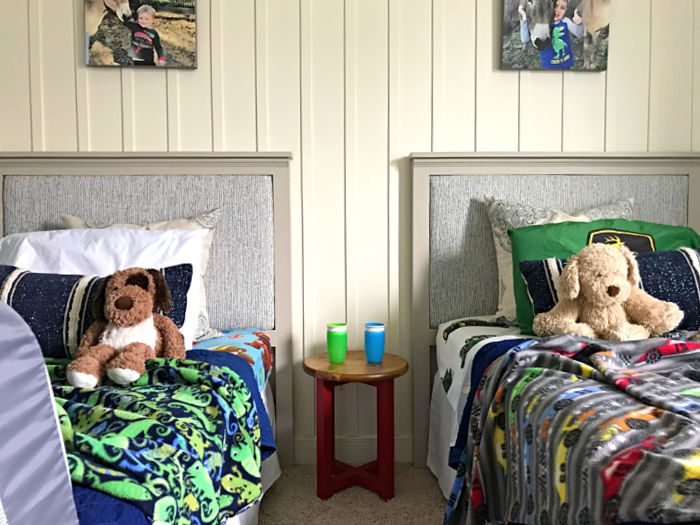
(374, 342)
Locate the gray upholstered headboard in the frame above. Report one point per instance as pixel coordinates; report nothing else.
(463, 276)
(240, 282)
(248, 278)
(454, 262)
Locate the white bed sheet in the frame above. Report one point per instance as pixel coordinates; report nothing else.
(445, 406)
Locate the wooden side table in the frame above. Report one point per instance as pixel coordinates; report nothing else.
(332, 475)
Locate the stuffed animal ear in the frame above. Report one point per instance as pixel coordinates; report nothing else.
(163, 299)
(569, 286)
(632, 267)
(98, 303)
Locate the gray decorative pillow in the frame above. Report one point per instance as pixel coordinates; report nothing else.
(206, 220)
(507, 215)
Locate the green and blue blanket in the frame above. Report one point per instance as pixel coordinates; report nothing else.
(182, 444)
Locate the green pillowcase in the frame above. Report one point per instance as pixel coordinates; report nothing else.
(561, 240)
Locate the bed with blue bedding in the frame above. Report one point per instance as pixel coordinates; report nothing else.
(192, 442)
(182, 445)
(575, 430)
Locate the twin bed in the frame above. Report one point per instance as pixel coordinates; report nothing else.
(564, 430)
(190, 442)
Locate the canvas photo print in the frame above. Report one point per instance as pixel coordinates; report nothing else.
(555, 34)
(141, 33)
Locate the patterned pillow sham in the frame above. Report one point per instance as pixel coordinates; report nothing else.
(206, 220)
(667, 275)
(58, 308)
(506, 215)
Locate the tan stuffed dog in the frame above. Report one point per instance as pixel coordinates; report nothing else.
(127, 330)
(599, 297)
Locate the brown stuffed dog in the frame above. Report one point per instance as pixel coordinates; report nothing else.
(127, 330)
(599, 297)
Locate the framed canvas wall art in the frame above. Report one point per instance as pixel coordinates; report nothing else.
(555, 34)
(141, 33)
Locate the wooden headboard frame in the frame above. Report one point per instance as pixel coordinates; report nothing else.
(424, 165)
(275, 165)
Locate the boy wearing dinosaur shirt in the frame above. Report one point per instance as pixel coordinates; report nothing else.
(558, 55)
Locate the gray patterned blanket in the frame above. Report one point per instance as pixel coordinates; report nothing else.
(572, 430)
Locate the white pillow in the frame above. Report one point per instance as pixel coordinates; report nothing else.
(102, 252)
(206, 220)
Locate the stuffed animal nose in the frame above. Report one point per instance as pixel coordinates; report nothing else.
(124, 303)
(613, 291)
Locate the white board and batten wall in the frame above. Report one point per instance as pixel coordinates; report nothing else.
(351, 88)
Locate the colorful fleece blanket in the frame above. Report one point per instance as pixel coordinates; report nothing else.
(182, 444)
(573, 430)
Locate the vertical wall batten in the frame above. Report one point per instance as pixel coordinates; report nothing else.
(540, 111)
(255, 73)
(57, 66)
(233, 82)
(648, 128)
(627, 95)
(194, 92)
(128, 130)
(104, 101)
(497, 97)
(82, 114)
(583, 114)
(216, 53)
(99, 96)
(366, 103)
(150, 117)
(15, 92)
(410, 80)
(323, 142)
(35, 75)
(695, 130)
(278, 95)
(172, 91)
(670, 84)
(454, 55)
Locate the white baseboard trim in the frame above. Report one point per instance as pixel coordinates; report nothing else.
(353, 450)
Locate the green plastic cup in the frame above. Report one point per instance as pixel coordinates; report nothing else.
(337, 341)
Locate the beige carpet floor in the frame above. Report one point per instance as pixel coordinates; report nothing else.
(292, 500)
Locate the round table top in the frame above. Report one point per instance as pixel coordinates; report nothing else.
(355, 368)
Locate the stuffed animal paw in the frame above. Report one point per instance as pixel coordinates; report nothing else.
(657, 316)
(669, 316)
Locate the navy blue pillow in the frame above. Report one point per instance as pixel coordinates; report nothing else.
(667, 275)
(58, 308)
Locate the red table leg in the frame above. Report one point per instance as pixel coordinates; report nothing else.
(325, 438)
(385, 439)
(333, 475)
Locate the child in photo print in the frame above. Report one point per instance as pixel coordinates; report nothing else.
(141, 33)
(558, 54)
(146, 49)
(555, 34)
